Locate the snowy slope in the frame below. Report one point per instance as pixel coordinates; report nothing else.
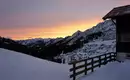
(103, 44)
(89, 50)
(17, 66)
(111, 71)
(107, 28)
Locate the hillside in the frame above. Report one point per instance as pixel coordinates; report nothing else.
(89, 50)
(18, 66)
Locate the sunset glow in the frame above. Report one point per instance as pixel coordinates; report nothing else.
(51, 19)
(52, 32)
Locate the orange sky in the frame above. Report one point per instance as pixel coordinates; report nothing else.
(23, 19)
(61, 30)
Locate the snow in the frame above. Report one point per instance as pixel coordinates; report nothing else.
(46, 41)
(107, 27)
(18, 66)
(90, 49)
(31, 41)
(111, 71)
(103, 44)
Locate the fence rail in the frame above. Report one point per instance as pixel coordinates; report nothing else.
(101, 60)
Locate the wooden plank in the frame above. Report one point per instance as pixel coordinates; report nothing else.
(77, 67)
(74, 62)
(80, 66)
(80, 72)
(96, 66)
(79, 61)
(96, 61)
(110, 60)
(89, 68)
(102, 59)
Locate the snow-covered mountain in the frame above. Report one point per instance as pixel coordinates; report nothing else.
(36, 41)
(107, 28)
(102, 44)
(30, 41)
(80, 42)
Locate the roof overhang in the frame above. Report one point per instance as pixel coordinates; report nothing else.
(118, 11)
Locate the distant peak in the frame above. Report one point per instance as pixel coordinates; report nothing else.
(77, 33)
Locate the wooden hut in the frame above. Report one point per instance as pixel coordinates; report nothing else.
(121, 18)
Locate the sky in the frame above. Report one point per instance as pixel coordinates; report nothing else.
(25, 19)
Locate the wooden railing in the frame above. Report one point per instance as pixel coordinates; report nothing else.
(100, 60)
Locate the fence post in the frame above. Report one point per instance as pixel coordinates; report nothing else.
(110, 57)
(105, 61)
(92, 64)
(74, 65)
(85, 67)
(115, 54)
(99, 61)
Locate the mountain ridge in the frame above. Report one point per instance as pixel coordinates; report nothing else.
(49, 48)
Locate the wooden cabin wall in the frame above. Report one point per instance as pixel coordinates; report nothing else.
(123, 34)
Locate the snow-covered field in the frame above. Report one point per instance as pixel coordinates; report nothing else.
(18, 66)
(111, 71)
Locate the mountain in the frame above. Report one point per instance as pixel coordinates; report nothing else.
(15, 46)
(36, 41)
(53, 47)
(49, 48)
(31, 41)
(100, 39)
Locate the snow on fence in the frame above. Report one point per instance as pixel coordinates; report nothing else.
(90, 64)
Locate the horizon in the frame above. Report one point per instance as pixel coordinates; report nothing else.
(27, 19)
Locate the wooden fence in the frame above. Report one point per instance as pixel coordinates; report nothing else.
(100, 60)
